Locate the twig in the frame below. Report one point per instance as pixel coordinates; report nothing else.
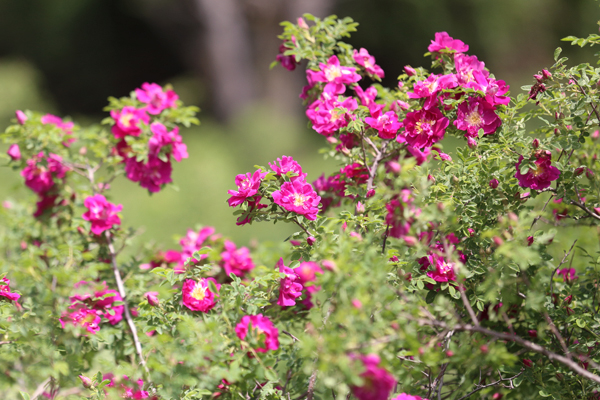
(564, 259)
(517, 339)
(587, 210)
(373, 169)
(585, 94)
(481, 387)
(290, 335)
(536, 219)
(463, 296)
(123, 294)
(40, 389)
(387, 232)
(311, 385)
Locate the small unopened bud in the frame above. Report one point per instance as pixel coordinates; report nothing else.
(494, 183)
(14, 152)
(513, 217)
(595, 134)
(329, 265)
(311, 240)
(471, 231)
(529, 240)
(370, 193)
(430, 178)
(332, 140)
(578, 171)
(356, 304)
(449, 353)
(589, 173)
(85, 381)
(484, 348)
(527, 362)
(21, 117)
(556, 132)
(360, 208)
(394, 167)
(536, 143)
(302, 23)
(83, 150)
(559, 376)
(498, 240)
(410, 71)
(569, 299)
(410, 241)
(152, 298)
(440, 206)
(497, 396)
(533, 333)
(546, 74)
(539, 77)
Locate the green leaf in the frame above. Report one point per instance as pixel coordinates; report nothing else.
(544, 394)
(25, 396)
(557, 53)
(580, 323)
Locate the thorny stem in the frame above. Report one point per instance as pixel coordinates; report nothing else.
(575, 367)
(481, 387)
(127, 312)
(557, 268)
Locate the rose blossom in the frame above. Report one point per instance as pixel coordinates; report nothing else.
(366, 97)
(430, 88)
(541, 177)
(444, 271)
(127, 121)
(157, 100)
(5, 290)
(247, 187)
(378, 382)
(386, 124)
(81, 316)
(101, 213)
(395, 218)
(288, 62)
(299, 197)
(290, 288)
(334, 75)
(236, 261)
(151, 175)
(405, 396)
(306, 272)
(260, 327)
(14, 152)
(161, 138)
(324, 117)
(366, 60)
(443, 41)
(197, 295)
(568, 274)
(287, 164)
(423, 128)
(475, 114)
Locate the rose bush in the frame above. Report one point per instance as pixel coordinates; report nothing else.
(413, 274)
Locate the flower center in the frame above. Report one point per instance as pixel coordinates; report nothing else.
(299, 199)
(539, 170)
(126, 120)
(474, 119)
(332, 72)
(368, 63)
(423, 127)
(199, 292)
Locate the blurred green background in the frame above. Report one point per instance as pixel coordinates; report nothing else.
(66, 57)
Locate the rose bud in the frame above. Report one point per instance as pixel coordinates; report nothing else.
(498, 240)
(85, 381)
(497, 396)
(546, 74)
(360, 208)
(578, 171)
(410, 240)
(484, 348)
(14, 152)
(410, 71)
(536, 143)
(494, 183)
(589, 173)
(532, 333)
(527, 362)
(152, 298)
(529, 240)
(311, 240)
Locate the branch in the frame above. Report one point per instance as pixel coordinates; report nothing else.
(290, 335)
(373, 170)
(123, 294)
(517, 339)
(463, 296)
(587, 210)
(481, 387)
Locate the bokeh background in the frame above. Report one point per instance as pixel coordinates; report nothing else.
(66, 57)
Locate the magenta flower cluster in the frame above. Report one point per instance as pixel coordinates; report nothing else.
(154, 171)
(41, 175)
(294, 195)
(101, 213)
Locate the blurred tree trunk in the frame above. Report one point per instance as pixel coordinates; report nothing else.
(229, 45)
